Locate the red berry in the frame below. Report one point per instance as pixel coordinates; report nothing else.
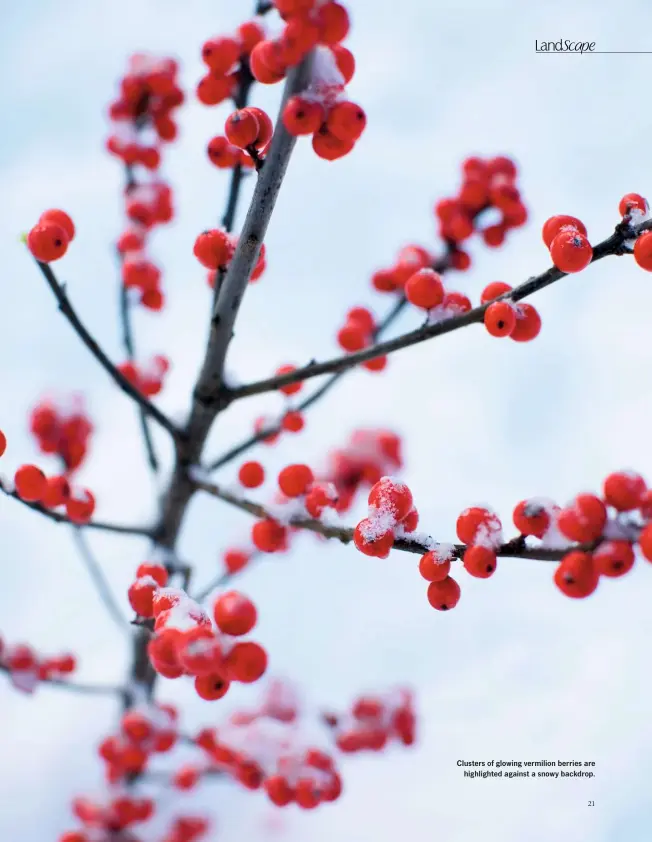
(614, 558)
(571, 251)
(246, 662)
(479, 561)
(493, 290)
(294, 480)
(242, 128)
(528, 323)
(251, 474)
(530, 518)
(500, 318)
(212, 248)
(234, 613)
(30, 483)
(576, 575)
(444, 595)
(425, 289)
(59, 217)
(302, 116)
(432, 569)
(643, 251)
(47, 241)
(632, 201)
(555, 224)
(346, 121)
(624, 490)
(213, 686)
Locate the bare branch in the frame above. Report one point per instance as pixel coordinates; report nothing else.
(99, 580)
(344, 534)
(140, 531)
(611, 246)
(67, 309)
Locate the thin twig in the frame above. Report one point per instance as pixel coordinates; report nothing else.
(100, 582)
(128, 342)
(514, 548)
(140, 531)
(67, 309)
(76, 687)
(613, 245)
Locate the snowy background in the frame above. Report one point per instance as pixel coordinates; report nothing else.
(517, 671)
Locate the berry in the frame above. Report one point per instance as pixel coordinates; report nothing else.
(242, 128)
(346, 121)
(576, 575)
(61, 218)
(493, 290)
(391, 497)
(212, 248)
(643, 251)
(528, 323)
(479, 561)
(302, 116)
(444, 595)
(425, 289)
(555, 224)
(234, 614)
(500, 318)
(246, 662)
(30, 483)
(432, 569)
(291, 388)
(213, 686)
(624, 490)
(631, 201)
(47, 242)
(251, 474)
(571, 251)
(614, 558)
(295, 480)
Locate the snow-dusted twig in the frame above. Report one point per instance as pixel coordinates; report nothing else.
(616, 244)
(516, 548)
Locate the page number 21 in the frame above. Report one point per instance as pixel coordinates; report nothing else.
(591, 803)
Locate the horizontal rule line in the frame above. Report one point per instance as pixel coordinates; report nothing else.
(597, 52)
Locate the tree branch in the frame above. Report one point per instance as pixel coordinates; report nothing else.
(99, 580)
(67, 309)
(140, 531)
(206, 402)
(514, 548)
(611, 246)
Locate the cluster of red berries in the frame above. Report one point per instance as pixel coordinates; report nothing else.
(375, 721)
(426, 291)
(26, 668)
(149, 94)
(518, 320)
(48, 240)
(215, 248)
(566, 238)
(62, 431)
(148, 379)
(102, 821)
(635, 210)
(614, 523)
(33, 486)
(391, 514)
(227, 59)
(248, 132)
(486, 184)
(147, 204)
(358, 332)
(144, 731)
(323, 109)
(185, 641)
(300, 494)
(262, 758)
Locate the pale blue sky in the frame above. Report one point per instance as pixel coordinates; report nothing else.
(516, 671)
